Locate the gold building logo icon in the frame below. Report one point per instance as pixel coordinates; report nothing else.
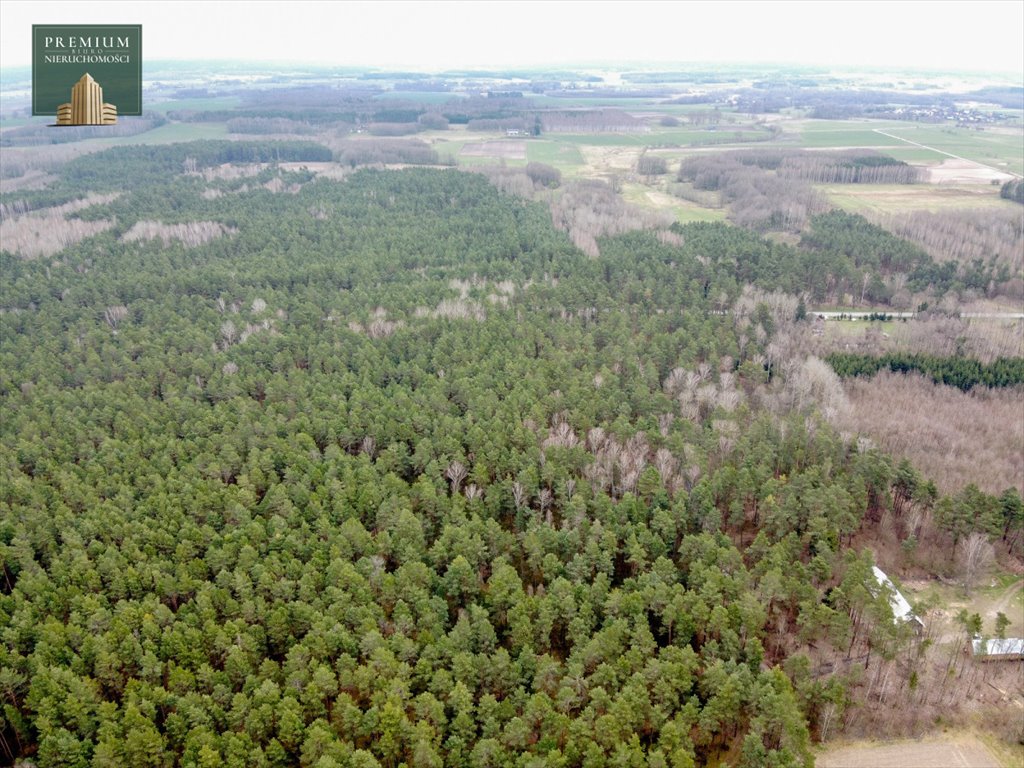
(86, 106)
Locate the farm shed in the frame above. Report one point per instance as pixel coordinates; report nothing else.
(901, 610)
(1010, 649)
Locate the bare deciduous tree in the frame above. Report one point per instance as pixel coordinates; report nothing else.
(114, 315)
(974, 556)
(456, 473)
(518, 494)
(228, 333)
(368, 446)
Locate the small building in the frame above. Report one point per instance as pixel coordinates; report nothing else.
(1009, 649)
(901, 610)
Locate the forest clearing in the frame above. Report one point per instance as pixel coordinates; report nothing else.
(957, 752)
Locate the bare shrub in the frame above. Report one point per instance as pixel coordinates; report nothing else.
(47, 231)
(782, 306)
(758, 199)
(953, 437)
(544, 175)
(588, 210)
(277, 185)
(511, 181)
(607, 120)
(353, 152)
(982, 338)
(254, 328)
(454, 309)
(815, 383)
(191, 234)
(974, 556)
(964, 235)
(229, 171)
(114, 315)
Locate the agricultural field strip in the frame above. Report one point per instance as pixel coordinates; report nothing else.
(927, 754)
(948, 154)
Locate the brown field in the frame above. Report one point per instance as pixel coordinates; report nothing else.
(951, 437)
(965, 172)
(602, 161)
(867, 199)
(959, 752)
(507, 150)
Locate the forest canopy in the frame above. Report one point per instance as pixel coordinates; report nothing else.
(395, 474)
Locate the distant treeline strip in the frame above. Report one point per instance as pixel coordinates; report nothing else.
(961, 372)
(140, 166)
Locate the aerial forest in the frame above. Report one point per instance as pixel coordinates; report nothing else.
(384, 470)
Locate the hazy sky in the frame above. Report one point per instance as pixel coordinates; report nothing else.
(970, 36)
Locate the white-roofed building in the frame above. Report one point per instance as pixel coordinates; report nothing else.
(1008, 649)
(901, 610)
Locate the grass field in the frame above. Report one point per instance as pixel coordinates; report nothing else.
(845, 137)
(1000, 149)
(448, 147)
(554, 153)
(165, 134)
(661, 138)
(915, 155)
(900, 198)
(684, 211)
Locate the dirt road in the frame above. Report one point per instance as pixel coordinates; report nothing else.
(964, 752)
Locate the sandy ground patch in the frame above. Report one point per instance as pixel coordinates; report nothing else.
(962, 752)
(965, 172)
(509, 150)
(602, 160)
(988, 604)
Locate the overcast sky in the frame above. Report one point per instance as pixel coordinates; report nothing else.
(969, 36)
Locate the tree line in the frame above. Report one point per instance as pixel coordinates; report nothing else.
(961, 372)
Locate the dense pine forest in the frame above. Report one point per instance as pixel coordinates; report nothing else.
(384, 471)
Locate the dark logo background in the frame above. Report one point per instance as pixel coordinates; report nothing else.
(52, 77)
